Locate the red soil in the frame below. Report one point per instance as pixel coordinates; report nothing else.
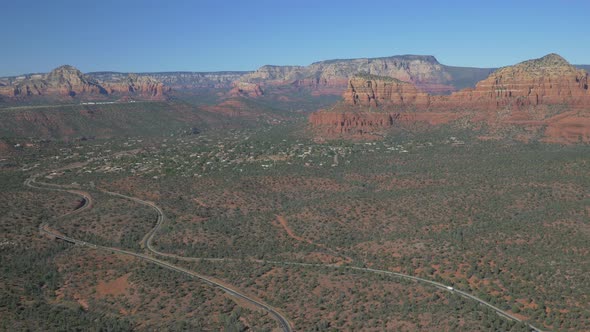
(114, 287)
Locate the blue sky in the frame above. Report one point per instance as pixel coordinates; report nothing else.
(205, 35)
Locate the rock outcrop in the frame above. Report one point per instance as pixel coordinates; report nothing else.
(67, 81)
(346, 122)
(548, 80)
(362, 123)
(245, 89)
(63, 81)
(277, 74)
(181, 80)
(133, 84)
(378, 91)
(332, 76)
(545, 93)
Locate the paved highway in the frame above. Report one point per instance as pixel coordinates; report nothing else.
(147, 243)
(284, 323)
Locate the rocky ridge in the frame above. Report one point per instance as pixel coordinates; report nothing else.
(182, 79)
(67, 81)
(243, 89)
(545, 94)
(374, 91)
(144, 86)
(544, 81)
(423, 71)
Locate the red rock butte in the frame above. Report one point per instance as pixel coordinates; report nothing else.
(547, 92)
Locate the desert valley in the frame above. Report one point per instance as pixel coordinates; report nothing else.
(371, 194)
(294, 166)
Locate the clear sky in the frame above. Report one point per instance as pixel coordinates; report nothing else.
(203, 35)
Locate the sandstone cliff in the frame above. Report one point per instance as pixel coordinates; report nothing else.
(64, 81)
(549, 80)
(366, 122)
(133, 84)
(379, 91)
(352, 122)
(332, 76)
(276, 73)
(181, 80)
(545, 93)
(67, 81)
(545, 81)
(245, 89)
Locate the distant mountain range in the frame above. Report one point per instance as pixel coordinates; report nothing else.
(69, 82)
(323, 77)
(182, 79)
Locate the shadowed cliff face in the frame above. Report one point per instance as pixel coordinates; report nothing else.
(546, 93)
(67, 81)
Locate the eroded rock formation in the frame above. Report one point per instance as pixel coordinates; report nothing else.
(545, 94)
(377, 91)
(357, 122)
(332, 76)
(134, 84)
(67, 81)
(181, 80)
(245, 89)
(549, 80)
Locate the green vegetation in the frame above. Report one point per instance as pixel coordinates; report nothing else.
(90, 121)
(502, 220)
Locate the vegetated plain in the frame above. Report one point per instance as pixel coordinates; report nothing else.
(503, 220)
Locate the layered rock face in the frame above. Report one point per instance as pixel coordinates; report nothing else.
(64, 81)
(332, 75)
(545, 81)
(245, 89)
(541, 93)
(275, 73)
(67, 81)
(355, 122)
(378, 91)
(549, 80)
(363, 123)
(181, 80)
(134, 84)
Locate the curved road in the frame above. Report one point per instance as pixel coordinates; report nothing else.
(284, 323)
(147, 243)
